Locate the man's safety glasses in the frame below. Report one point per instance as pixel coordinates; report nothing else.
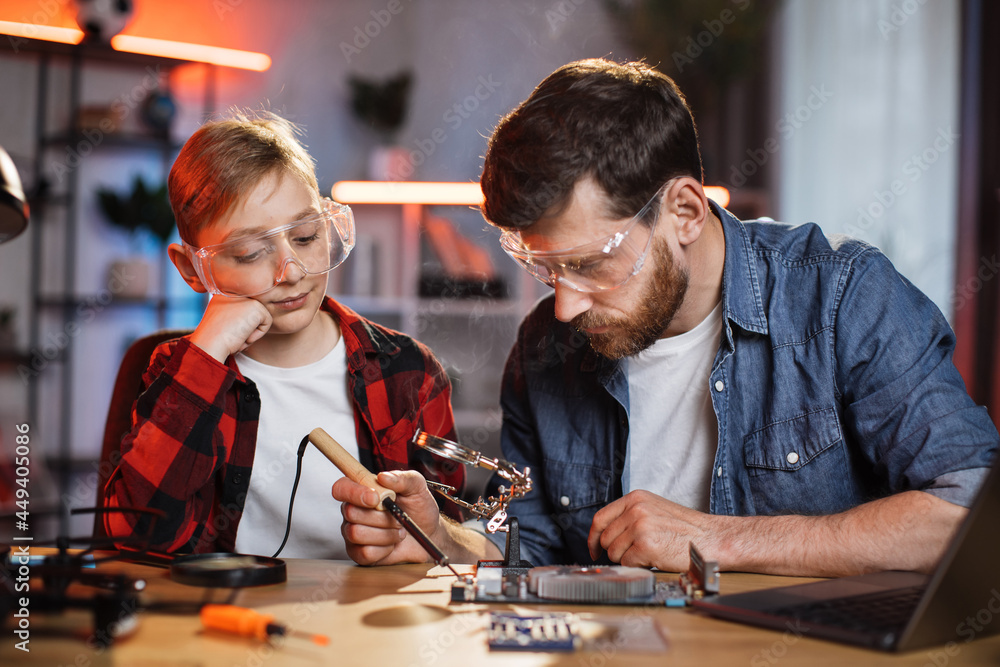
(590, 267)
(252, 265)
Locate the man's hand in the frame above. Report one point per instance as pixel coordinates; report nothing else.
(645, 530)
(905, 531)
(231, 325)
(373, 536)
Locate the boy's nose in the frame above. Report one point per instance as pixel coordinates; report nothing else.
(570, 303)
(292, 271)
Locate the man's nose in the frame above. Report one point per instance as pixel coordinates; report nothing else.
(570, 303)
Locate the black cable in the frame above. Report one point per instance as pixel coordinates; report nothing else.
(295, 486)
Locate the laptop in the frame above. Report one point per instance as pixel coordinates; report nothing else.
(893, 611)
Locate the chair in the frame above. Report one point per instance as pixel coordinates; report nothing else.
(119, 422)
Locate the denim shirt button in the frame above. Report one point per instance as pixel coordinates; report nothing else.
(719, 385)
(718, 471)
(792, 458)
(564, 501)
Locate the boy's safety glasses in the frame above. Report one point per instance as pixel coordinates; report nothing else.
(252, 265)
(590, 267)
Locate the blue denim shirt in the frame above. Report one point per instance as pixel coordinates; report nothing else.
(833, 385)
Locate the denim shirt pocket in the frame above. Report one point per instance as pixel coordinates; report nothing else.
(794, 465)
(574, 486)
(576, 491)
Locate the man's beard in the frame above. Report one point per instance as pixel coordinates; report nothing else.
(658, 304)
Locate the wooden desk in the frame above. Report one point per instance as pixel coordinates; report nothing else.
(400, 616)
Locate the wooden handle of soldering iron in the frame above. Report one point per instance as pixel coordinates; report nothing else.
(350, 466)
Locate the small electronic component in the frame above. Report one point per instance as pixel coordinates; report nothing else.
(535, 632)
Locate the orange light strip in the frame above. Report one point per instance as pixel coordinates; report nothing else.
(48, 33)
(718, 194)
(215, 55)
(415, 192)
(406, 192)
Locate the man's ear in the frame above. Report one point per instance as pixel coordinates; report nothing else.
(690, 207)
(185, 267)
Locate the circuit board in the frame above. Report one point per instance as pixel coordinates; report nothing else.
(602, 585)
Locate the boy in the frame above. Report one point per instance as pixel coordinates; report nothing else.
(215, 449)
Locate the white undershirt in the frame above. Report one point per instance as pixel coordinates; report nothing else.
(294, 401)
(673, 432)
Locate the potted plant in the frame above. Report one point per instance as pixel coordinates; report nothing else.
(147, 208)
(381, 106)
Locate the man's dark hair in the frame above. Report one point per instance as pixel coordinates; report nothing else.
(626, 125)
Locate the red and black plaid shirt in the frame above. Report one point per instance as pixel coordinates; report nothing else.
(194, 431)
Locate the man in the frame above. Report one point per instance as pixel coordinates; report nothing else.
(783, 399)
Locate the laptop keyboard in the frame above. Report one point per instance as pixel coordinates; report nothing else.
(880, 612)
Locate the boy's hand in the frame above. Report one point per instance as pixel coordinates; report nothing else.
(230, 325)
(373, 537)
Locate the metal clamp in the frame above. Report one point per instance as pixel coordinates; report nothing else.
(493, 509)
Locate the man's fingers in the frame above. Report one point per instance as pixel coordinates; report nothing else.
(604, 518)
(368, 517)
(348, 491)
(367, 555)
(403, 482)
(362, 535)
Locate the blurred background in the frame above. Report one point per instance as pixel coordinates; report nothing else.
(869, 117)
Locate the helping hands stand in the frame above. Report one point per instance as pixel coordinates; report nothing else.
(493, 509)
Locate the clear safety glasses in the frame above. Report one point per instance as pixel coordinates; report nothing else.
(252, 265)
(591, 267)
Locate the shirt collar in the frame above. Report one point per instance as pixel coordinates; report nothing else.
(361, 339)
(741, 298)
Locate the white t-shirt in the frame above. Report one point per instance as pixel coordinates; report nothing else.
(673, 432)
(294, 401)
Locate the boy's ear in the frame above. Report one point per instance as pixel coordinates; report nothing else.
(185, 267)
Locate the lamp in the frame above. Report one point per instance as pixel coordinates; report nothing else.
(13, 204)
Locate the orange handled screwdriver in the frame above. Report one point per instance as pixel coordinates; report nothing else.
(250, 623)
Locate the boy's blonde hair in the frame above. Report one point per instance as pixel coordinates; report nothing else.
(225, 159)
